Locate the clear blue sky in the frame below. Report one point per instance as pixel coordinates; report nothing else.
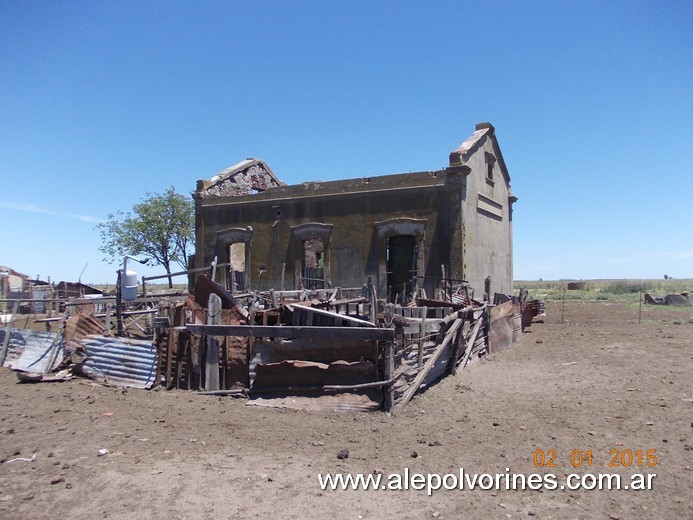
(101, 102)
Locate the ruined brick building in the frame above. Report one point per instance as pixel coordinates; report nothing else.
(406, 231)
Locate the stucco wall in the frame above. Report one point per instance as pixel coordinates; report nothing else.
(461, 220)
(355, 248)
(487, 224)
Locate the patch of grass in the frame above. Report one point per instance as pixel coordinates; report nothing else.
(628, 287)
(627, 291)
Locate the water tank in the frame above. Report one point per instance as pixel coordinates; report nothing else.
(128, 285)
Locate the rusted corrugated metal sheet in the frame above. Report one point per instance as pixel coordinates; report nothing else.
(78, 327)
(502, 326)
(274, 351)
(297, 374)
(120, 361)
(531, 309)
(28, 350)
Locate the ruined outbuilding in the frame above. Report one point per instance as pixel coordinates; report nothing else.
(412, 233)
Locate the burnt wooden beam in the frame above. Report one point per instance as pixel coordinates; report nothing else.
(280, 331)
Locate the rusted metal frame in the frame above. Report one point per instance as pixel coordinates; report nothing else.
(127, 314)
(140, 315)
(279, 331)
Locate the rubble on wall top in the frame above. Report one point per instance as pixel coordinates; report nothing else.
(244, 178)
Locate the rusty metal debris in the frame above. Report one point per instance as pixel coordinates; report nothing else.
(331, 348)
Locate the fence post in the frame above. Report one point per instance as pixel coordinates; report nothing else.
(212, 355)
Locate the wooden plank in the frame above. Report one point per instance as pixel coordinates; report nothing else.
(169, 356)
(334, 315)
(414, 387)
(422, 335)
(459, 341)
(470, 343)
(107, 323)
(212, 355)
(388, 373)
(157, 377)
(272, 331)
(372, 297)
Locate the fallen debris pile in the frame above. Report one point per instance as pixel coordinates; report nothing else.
(339, 349)
(679, 300)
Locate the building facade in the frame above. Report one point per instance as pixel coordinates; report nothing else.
(407, 231)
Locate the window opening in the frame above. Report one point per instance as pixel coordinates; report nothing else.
(314, 263)
(490, 163)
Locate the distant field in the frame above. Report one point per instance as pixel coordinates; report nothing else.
(604, 290)
(151, 287)
(627, 291)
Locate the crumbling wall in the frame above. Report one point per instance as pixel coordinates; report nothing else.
(253, 179)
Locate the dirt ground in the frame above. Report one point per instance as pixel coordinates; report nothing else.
(597, 382)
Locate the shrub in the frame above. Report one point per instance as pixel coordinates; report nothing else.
(627, 287)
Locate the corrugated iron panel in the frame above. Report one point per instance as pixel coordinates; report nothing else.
(502, 325)
(28, 350)
(274, 351)
(79, 326)
(308, 374)
(120, 361)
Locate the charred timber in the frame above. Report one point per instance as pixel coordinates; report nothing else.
(310, 332)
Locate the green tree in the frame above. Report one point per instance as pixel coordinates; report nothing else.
(160, 227)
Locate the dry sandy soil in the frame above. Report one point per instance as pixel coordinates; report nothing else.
(597, 382)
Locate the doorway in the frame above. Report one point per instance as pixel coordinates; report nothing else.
(236, 281)
(314, 263)
(401, 267)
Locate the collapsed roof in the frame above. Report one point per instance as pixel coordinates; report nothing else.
(246, 177)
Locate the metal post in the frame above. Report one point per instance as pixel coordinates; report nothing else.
(119, 307)
(212, 354)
